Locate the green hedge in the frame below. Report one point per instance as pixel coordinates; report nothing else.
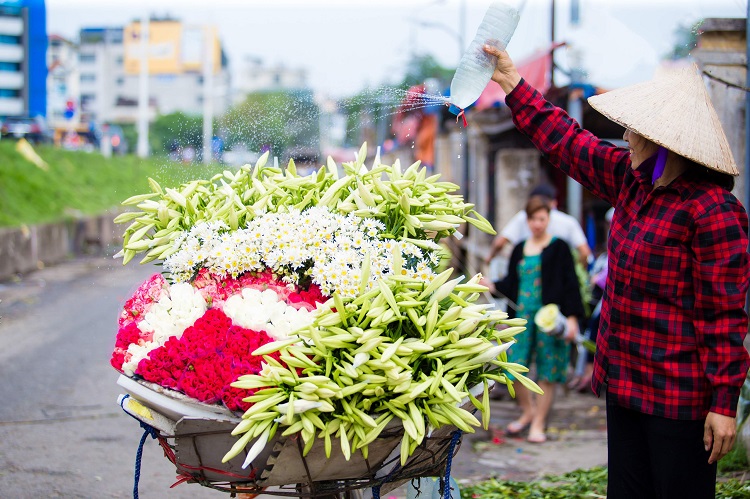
(78, 183)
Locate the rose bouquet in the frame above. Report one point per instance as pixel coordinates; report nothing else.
(314, 304)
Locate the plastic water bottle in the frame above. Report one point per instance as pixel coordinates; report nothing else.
(476, 66)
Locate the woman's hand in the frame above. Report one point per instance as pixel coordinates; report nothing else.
(506, 74)
(573, 329)
(489, 284)
(719, 433)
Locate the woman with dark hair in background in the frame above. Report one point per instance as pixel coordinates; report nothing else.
(541, 271)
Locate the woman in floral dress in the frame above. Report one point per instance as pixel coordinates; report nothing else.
(541, 271)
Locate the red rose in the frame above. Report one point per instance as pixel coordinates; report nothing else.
(146, 294)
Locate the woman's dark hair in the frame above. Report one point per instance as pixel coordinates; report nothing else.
(536, 203)
(706, 175)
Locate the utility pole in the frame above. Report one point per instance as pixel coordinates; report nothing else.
(574, 204)
(552, 41)
(142, 148)
(208, 101)
(462, 29)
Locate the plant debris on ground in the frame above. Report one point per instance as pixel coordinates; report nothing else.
(590, 483)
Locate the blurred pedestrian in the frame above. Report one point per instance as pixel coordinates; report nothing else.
(561, 225)
(188, 154)
(174, 150)
(670, 354)
(541, 271)
(217, 148)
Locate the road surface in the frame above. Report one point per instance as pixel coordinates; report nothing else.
(63, 435)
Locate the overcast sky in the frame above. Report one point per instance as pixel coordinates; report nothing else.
(346, 45)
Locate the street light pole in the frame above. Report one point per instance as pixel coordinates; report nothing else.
(142, 148)
(552, 41)
(462, 28)
(208, 84)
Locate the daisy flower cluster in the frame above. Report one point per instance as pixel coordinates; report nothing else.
(315, 245)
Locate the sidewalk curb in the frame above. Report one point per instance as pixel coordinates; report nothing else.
(28, 248)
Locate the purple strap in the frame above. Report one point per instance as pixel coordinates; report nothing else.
(661, 161)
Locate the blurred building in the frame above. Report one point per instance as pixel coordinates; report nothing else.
(102, 76)
(721, 54)
(63, 82)
(110, 62)
(23, 65)
(255, 76)
(332, 129)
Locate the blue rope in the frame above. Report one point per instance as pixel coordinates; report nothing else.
(376, 489)
(456, 436)
(148, 430)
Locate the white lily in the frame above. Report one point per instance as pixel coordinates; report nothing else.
(492, 353)
(257, 447)
(360, 359)
(299, 406)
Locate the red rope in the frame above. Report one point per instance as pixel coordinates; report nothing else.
(184, 477)
(462, 114)
(251, 476)
(168, 452)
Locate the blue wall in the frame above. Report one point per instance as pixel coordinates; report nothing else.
(37, 57)
(35, 51)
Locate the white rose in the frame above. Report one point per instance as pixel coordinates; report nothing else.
(173, 313)
(138, 353)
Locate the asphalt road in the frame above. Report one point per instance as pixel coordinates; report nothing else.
(62, 433)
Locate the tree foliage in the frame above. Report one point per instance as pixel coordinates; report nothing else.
(175, 129)
(367, 111)
(185, 130)
(686, 39)
(423, 67)
(275, 120)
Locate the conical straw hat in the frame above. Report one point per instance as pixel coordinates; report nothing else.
(674, 111)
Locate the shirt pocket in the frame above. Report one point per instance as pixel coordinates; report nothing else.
(660, 271)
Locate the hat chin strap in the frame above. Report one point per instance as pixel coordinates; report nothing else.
(661, 161)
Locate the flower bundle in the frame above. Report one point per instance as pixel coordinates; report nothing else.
(168, 335)
(315, 302)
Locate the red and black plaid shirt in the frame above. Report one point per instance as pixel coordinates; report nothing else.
(673, 319)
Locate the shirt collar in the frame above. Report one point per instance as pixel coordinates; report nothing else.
(645, 171)
(681, 184)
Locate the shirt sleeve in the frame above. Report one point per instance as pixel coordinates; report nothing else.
(513, 230)
(720, 280)
(596, 164)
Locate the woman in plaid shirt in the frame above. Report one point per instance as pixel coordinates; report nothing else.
(670, 352)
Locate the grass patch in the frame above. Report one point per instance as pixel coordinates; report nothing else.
(79, 183)
(579, 484)
(735, 460)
